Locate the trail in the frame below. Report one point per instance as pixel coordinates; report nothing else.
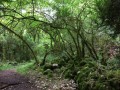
(11, 80)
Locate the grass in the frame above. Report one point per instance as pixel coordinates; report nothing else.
(25, 67)
(21, 67)
(5, 66)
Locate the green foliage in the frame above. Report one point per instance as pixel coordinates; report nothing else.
(5, 66)
(75, 34)
(92, 75)
(14, 49)
(109, 12)
(25, 67)
(113, 63)
(48, 72)
(19, 67)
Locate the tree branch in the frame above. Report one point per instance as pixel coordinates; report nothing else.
(11, 31)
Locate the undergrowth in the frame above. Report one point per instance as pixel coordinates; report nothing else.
(88, 73)
(92, 75)
(22, 68)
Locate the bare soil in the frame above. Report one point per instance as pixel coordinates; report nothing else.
(12, 80)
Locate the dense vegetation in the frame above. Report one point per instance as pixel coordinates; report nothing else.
(80, 38)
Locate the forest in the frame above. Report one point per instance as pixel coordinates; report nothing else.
(60, 44)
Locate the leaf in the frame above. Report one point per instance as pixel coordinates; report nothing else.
(34, 24)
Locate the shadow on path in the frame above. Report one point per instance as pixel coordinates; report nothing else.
(11, 80)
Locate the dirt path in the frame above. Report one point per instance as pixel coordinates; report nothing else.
(11, 80)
